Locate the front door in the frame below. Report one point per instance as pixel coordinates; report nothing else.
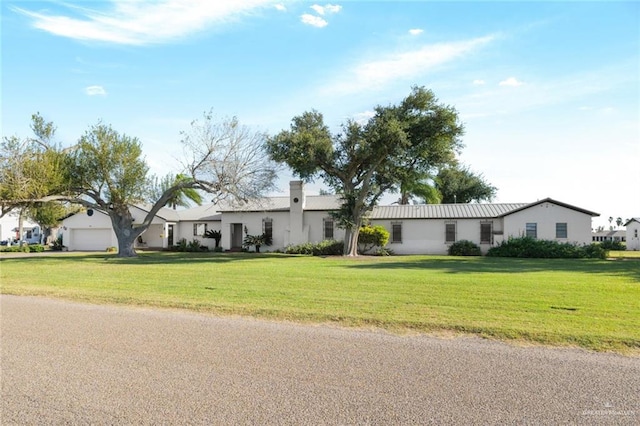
(170, 235)
(236, 236)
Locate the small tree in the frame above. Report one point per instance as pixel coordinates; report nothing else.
(372, 236)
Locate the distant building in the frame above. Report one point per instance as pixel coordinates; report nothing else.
(619, 235)
(633, 229)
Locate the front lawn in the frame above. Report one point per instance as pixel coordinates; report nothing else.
(589, 303)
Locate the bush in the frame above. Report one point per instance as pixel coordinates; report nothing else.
(527, 247)
(25, 248)
(613, 245)
(372, 236)
(191, 246)
(464, 248)
(323, 248)
(257, 241)
(57, 244)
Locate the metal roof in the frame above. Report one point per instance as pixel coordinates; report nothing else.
(444, 211)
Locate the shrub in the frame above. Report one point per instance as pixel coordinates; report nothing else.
(323, 248)
(464, 248)
(25, 248)
(111, 249)
(194, 245)
(527, 247)
(372, 236)
(257, 241)
(216, 235)
(613, 245)
(57, 244)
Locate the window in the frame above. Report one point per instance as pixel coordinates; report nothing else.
(561, 230)
(532, 230)
(328, 228)
(635, 233)
(396, 232)
(199, 229)
(450, 232)
(267, 228)
(485, 232)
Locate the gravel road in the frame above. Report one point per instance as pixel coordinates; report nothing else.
(72, 363)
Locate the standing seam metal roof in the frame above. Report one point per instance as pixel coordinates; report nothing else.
(443, 211)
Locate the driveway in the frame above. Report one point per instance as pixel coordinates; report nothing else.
(72, 363)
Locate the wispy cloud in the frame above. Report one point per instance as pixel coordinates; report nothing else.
(416, 31)
(95, 91)
(328, 8)
(313, 20)
(511, 82)
(479, 82)
(406, 65)
(281, 7)
(142, 22)
(318, 21)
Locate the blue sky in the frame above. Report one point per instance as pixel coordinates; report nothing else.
(549, 91)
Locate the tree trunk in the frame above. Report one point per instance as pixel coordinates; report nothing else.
(125, 245)
(125, 232)
(351, 238)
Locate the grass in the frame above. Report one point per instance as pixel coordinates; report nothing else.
(593, 304)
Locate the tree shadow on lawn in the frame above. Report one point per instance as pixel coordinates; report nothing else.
(149, 258)
(460, 265)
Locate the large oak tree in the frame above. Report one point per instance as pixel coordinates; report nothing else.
(399, 145)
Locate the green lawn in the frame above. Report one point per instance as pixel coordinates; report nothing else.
(593, 304)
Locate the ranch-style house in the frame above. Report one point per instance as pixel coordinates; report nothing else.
(300, 218)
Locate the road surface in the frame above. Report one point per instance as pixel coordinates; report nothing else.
(72, 363)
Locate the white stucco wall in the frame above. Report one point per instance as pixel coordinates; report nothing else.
(546, 215)
(185, 230)
(427, 236)
(84, 232)
(633, 235)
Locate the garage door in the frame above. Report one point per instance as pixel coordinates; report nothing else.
(91, 239)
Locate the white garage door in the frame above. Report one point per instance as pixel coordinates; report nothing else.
(91, 239)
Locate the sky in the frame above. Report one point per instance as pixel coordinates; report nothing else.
(548, 92)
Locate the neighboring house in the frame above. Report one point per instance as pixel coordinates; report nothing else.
(300, 218)
(633, 229)
(9, 229)
(618, 235)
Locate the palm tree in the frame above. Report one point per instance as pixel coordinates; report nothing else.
(183, 196)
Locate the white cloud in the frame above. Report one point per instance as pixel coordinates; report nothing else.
(95, 91)
(314, 21)
(363, 117)
(143, 22)
(333, 8)
(511, 82)
(416, 31)
(281, 7)
(479, 82)
(405, 65)
(327, 8)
